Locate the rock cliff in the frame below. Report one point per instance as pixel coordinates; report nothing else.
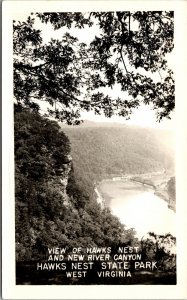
(51, 210)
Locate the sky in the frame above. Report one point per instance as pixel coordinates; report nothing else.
(144, 116)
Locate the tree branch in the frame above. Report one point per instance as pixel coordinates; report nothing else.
(121, 50)
(26, 66)
(121, 53)
(160, 75)
(129, 23)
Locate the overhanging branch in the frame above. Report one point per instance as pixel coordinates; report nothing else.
(121, 53)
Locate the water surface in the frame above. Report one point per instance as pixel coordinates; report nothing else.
(138, 207)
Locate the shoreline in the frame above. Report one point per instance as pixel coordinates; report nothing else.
(105, 199)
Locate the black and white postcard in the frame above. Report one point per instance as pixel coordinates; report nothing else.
(94, 150)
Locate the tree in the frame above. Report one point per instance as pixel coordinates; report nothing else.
(129, 51)
(160, 248)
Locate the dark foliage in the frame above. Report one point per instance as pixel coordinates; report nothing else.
(50, 209)
(160, 248)
(127, 49)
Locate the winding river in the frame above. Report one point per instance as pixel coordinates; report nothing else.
(137, 207)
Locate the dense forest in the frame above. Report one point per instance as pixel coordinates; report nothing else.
(104, 151)
(52, 210)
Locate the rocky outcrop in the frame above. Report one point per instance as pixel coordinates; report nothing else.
(60, 181)
(43, 166)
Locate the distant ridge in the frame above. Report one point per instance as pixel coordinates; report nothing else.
(88, 123)
(91, 124)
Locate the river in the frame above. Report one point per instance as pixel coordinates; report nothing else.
(137, 207)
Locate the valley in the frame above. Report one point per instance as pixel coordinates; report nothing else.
(115, 151)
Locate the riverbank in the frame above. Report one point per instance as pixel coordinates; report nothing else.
(157, 181)
(137, 206)
(165, 197)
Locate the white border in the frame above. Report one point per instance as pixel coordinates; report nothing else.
(10, 290)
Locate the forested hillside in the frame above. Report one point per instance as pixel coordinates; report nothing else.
(102, 151)
(50, 209)
(53, 211)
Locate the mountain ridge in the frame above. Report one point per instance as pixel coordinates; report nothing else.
(101, 152)
(91, 123)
